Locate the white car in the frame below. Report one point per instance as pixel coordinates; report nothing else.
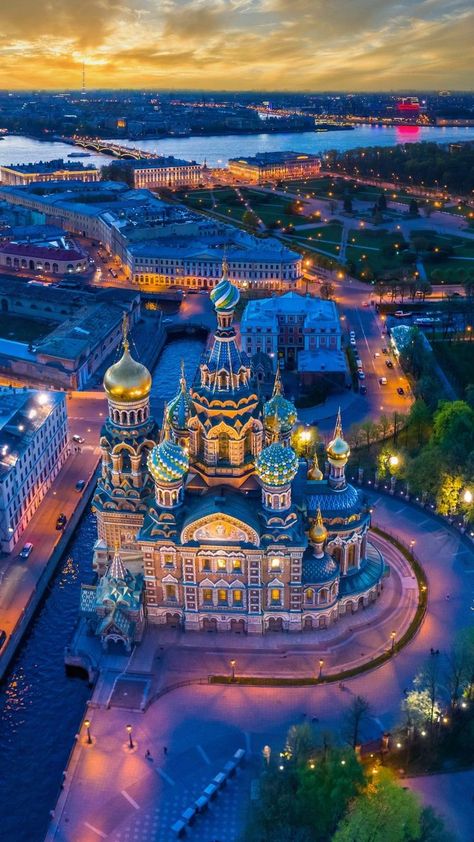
(352, 340)
(383, 381)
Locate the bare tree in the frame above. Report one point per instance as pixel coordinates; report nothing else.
(354, 717)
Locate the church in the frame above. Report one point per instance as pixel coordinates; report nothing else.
(215, 516)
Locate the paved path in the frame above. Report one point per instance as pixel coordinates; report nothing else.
(214, 717)
(452, 796)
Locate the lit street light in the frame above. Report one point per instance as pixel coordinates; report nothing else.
(232, 666)
(130, 741)
(321, 664)
(393, 636)
(87, 725)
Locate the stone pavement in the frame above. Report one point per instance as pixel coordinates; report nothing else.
(197, 720)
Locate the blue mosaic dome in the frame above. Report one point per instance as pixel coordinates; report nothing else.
(167, 462)
(225, 296)
(276, 465)
(316, 570)
(279, 413)
(181, 408)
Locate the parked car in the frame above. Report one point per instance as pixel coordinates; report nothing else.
(3, 637)
(384, 350)
(78, 439)
(383, 381)
(400, 390)
(363, 389)
(27, 550)
(352, 340)
(389, 363)
(361, 375)
(80, 485)
(61, 521)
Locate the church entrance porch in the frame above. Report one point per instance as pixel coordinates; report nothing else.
(173, 621)
(275, 624)
(209, 624)
(238, 626)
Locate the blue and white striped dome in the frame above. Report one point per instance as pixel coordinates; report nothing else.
(276, 465)
(167, 462)
(279, 413)
(225, 296)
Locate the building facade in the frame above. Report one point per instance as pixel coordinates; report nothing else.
(231, 530)
(169, 172)
(275, 166)
(43, 258)
(33, 447)
(289, 325)
(59, 170)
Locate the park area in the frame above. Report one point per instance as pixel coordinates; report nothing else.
(457, 361)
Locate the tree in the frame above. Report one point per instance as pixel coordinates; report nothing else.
(420, 419)
(432, 827)
(250, 220)
(413, 207)
(325, 792)
(383, 813)
(300, 742)
(460, 671)
(347, 204)
(447, 498)
(382, 202)
(327, 290)
(370, 431)
(354, 717)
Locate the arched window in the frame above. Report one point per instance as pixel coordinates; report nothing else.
(170, 592)
(323, 596)
(351, 556)
(224, 446)
(336, 552)
(309, 595)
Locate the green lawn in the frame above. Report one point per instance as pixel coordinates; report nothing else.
(457, 359)
(21, 329)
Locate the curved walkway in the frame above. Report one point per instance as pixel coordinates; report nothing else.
(197, 724)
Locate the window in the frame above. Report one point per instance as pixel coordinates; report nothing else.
(275, 596)
(168, 560)
(237, 598)
(237, 565)
(323, 595)
(206, 564)
(170, 592)
(221, 563)
(309, 595)
(207, 596)
(275, 563)
(222, 596)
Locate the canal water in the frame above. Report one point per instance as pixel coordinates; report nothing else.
(41, 708)
(217, 149)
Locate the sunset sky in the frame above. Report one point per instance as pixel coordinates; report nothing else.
(238, 44)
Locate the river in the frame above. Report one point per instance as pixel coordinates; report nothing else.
(217, 149)
(40, 707)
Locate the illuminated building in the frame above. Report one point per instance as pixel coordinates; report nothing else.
(44, 257)
(59, 170)
(232, 531)
(33, 447)
(170, 172)
(275, 166)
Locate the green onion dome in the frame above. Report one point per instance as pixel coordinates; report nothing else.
(279, 413)
(225, 296)
(168, 462)
(276, 465)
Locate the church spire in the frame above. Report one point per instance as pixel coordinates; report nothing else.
(338, 428)
(277, 385)
(116, 569)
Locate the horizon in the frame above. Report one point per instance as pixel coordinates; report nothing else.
(419, 44)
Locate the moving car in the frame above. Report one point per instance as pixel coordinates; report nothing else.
(352, 340)
(383, 381)
(61, 521)
(80, 485)
(389, 363)
(363, 389)
(27, 550)
(361, 375)
(400, 390)
(78, 439)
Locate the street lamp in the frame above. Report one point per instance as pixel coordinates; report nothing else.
(232, 666)
(130, 741)
(393, 636)
(467, 496)
(321, 664)
(87, 725)
(393, 461)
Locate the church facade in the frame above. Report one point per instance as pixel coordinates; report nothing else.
(229, 528)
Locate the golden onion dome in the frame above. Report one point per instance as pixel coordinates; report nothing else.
(127, 380)
(318, 533)
(314, 472)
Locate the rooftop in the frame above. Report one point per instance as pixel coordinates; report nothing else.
(160, 163)
(22, 413)
(263, 159)
(56, 165)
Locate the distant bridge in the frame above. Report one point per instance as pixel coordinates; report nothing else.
(96, 144)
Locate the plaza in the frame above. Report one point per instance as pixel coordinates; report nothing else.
(200, 720)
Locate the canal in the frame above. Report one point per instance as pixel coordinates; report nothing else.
(40, 707)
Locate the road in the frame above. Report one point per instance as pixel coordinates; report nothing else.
(18, 579)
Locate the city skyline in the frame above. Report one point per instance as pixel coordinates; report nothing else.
(237, 44)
